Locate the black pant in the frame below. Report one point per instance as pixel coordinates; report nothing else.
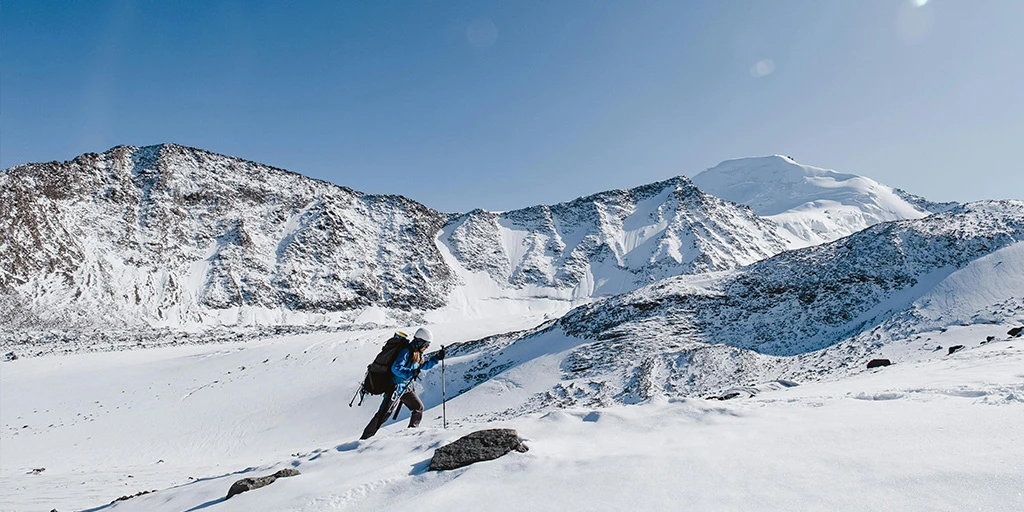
(409, 399)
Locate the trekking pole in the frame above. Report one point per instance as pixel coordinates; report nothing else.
(444, 416)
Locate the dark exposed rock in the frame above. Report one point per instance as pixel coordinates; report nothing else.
(248, 484)
(954, 348)
(738, 392)
(10, 356)
(726, 396)
(923, 203)
(1016, 331)
(875, 363)
(989, 339)
(477, 447)
(128, 497)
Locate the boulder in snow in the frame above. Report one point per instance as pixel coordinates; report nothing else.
(248, 484)
(1016, 331)
(875, 363)
(954, 348)
(731, 393)
(476, 447)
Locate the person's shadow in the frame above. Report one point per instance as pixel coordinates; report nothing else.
(207, 504)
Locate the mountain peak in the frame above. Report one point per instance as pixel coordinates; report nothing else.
(771, 185)
(813, 205)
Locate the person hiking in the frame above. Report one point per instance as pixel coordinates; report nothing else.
(408, 364)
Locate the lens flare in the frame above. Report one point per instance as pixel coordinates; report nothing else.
(763, 67)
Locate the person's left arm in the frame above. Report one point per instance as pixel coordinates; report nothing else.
(432, 359)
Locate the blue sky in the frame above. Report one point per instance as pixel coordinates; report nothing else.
(503, 105)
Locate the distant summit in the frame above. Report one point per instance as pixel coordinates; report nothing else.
(812, 205)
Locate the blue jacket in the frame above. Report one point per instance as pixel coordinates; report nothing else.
(403, 369)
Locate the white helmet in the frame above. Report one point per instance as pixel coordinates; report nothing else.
(423, 334)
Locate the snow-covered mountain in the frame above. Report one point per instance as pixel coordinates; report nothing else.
(796, 316)
(810, 204)
(170, 236)
(610, 242)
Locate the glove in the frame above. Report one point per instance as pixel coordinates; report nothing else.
(440, 354)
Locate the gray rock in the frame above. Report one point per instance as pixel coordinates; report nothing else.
(477, 447)
(875, 363)
(1016, 331)
(130, 496)
(954, 348)
(248, 484)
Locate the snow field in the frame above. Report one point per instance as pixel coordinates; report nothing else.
(932, 432)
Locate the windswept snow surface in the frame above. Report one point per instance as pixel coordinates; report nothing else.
(932, 432)
(812, 205)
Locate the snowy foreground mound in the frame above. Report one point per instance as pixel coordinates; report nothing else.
(932, 432)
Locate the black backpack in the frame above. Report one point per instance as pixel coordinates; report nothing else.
(378, 373)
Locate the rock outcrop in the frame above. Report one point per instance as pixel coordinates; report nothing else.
(248, 484)
(477, 447)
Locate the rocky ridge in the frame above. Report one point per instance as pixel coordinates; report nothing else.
(800, 315)
(169, 235)
(638, 236)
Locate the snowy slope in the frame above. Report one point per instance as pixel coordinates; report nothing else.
(811, 205)
(807, 314)
(933, 432)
